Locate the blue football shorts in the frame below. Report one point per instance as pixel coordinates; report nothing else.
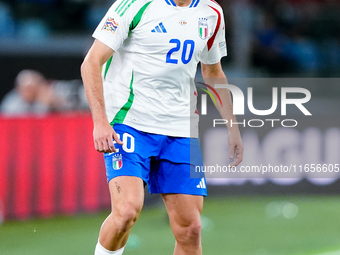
(166, 164)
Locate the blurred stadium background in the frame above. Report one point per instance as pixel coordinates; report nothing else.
(53, 194)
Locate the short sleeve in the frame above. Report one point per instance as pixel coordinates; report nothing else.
(114, 27)
(216, 47)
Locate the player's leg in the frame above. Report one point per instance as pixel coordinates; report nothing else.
(184, 213)
(126, 171)
(173, 175)
(127, 197)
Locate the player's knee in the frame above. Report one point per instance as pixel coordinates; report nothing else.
(194, 230)
(129, 213)
(126, 216)
(189, 234)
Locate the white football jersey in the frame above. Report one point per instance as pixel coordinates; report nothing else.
(149, 81)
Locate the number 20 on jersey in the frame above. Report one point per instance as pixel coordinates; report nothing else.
(187, 46)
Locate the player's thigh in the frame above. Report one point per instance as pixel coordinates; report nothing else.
(127, 193)
(183, 209)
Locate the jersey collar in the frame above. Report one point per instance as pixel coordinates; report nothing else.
(194, 3)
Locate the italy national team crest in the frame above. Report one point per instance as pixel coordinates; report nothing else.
(203, 28)
(117, 161)
(110, 25)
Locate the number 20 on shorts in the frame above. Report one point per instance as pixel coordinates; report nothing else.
(129, 143)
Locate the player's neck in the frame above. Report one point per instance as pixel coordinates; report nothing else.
(182, 3)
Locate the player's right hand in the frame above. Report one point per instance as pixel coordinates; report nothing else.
(103, 137)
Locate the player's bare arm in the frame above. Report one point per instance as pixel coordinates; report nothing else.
(103, 133)
(213, 75)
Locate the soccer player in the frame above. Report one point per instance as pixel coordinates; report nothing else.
(138, 77)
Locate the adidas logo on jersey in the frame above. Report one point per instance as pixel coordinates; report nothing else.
(159, 29)
(202, 185)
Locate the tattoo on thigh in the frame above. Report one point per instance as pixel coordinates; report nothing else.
(118, 187)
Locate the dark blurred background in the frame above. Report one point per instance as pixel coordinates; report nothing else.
(48, 166)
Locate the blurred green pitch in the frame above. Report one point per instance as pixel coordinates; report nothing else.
(232, 225)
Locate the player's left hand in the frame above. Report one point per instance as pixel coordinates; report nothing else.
(235, 147)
